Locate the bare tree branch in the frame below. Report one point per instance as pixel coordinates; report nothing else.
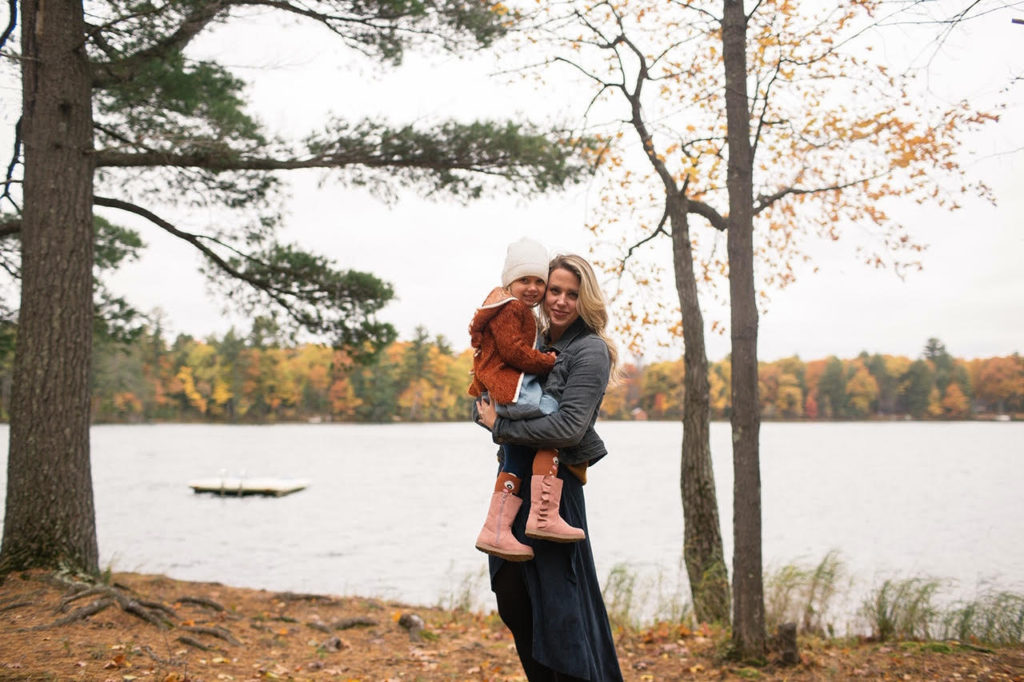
(10, 268)
(764, 108)
(637, 121)
(753, 10)
(706, 13)
(604, 84)
(15, 157)
(707, 212)
(197, 241)
(952, 23)
(12, 7)
(660, 229)
(637, 118)
(764, 201)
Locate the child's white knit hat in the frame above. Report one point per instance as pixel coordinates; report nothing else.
(524, 258)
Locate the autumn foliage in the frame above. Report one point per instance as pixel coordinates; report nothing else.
(250, 380)
(847, 133)
(864, 387)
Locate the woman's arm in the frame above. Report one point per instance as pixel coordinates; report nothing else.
(585, 384)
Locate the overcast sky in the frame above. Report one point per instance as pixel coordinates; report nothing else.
(442, 257)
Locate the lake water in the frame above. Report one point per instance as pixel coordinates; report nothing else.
(393, 510)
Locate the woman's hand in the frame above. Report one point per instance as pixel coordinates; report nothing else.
(485, 413)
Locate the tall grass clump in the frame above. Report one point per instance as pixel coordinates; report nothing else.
(669, 602)
(804, 595)
(632, 602)
(995, 618)
(620, 596)
(464, 595)
(903, 609)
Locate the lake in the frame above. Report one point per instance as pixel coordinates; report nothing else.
(393, 510)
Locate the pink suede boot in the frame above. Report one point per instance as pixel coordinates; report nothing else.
(544, 522)
(496, 536)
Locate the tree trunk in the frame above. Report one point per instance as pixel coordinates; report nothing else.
(50, 520)
(748, 635)
(702, 531)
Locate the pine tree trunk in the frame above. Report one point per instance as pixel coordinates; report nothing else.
(50, 520)
(702, 531)
(748, 627)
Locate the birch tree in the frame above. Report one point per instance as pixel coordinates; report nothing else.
(778, 124)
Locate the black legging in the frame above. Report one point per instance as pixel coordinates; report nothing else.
(515, 611)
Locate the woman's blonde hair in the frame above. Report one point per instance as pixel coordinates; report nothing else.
(590, 304)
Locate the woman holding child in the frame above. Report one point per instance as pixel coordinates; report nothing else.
(552, 601)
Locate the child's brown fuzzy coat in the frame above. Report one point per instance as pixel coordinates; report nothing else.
(503, 333)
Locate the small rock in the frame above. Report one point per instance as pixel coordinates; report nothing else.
(334, 644)
(413, 623)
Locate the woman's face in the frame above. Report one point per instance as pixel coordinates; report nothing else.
(560, 300)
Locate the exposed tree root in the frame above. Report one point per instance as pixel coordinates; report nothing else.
(201, 601)
(16, 602)
(157, 614)
(154, 613)
(214, 631)
(15, 605)
(285, 619)
(346, 623)
(148, 612)
(79, 591)
(314, 598)
(79, 614)
(148, 650)
(195, 643)
(342, 624)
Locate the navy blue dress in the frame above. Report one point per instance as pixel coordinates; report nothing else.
(569, 625)
(571, 632)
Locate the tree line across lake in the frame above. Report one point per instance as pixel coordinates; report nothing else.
(257, 378)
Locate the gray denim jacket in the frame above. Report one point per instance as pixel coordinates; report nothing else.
(578, 382)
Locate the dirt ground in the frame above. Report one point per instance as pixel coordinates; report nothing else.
(174, 631)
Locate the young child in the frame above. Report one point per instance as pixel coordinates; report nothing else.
(504, 335)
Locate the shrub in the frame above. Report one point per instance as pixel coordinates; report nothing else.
(903, 609)
(993, 618)
(802, 595)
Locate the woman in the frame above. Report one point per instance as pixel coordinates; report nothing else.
(553, 604)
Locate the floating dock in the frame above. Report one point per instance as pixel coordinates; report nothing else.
(239, 487)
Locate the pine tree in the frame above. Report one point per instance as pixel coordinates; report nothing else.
(116, 114)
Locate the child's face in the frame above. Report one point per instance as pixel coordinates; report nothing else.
(527, 289)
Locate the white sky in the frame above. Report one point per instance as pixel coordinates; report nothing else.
(443, 257)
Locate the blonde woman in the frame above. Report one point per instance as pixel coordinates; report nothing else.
(553, 604)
